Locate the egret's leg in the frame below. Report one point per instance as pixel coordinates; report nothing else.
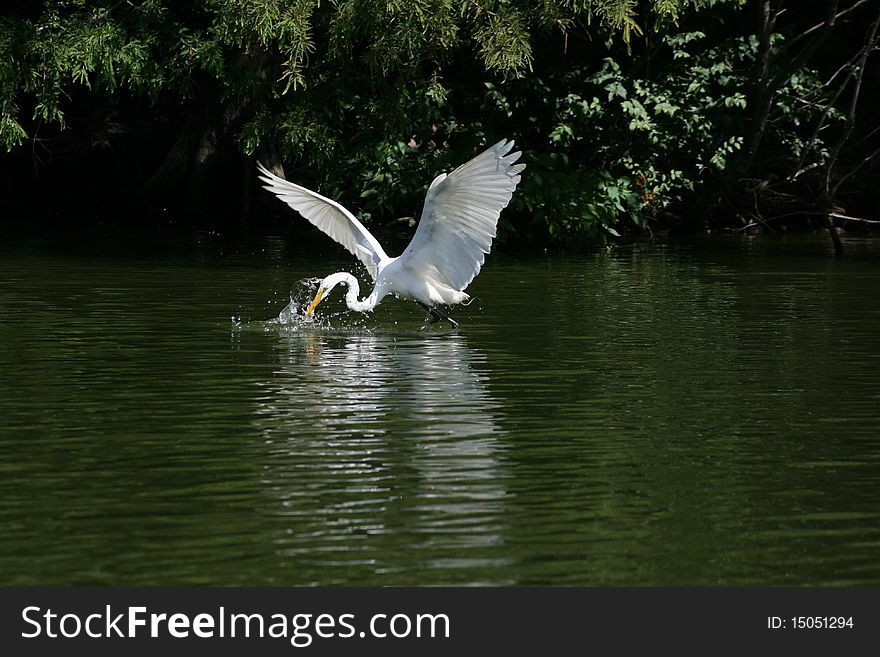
(442, 315)
(434, 317)
(437, 314)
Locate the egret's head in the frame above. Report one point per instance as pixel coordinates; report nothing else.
(324, 289)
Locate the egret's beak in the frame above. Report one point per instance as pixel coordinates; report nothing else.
(315, 301)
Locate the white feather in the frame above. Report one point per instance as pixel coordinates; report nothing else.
(460, 217)
(329, 217)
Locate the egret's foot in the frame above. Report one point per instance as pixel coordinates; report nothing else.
(451, 321)
(436, 315)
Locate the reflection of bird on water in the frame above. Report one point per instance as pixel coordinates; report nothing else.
(379, 439)
(450, 244)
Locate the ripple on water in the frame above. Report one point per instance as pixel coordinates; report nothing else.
(664, 414)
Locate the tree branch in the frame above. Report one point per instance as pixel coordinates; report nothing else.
(870, 42)
(855, 169)
(820, 124)
(835, 15)
(796, 62)
(859, 219)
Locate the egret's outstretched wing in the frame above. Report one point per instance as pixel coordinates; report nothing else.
(329, 217)
(460, 215)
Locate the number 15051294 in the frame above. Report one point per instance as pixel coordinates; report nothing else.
(810, 623)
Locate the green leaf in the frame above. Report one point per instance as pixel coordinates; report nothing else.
(615, 90)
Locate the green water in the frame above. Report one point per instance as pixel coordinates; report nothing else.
(698, 412)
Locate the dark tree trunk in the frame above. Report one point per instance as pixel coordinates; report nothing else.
(203, 171)
(771, 72)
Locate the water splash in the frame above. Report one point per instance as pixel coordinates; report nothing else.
(293, 318)
(293, 315)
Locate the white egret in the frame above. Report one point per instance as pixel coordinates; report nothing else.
(452, 239)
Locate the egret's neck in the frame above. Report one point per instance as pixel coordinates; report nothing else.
(353, 292)
(351, 298)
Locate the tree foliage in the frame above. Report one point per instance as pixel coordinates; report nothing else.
(156, 46)
(629, 110)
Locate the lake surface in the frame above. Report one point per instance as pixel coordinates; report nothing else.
(698, 412)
